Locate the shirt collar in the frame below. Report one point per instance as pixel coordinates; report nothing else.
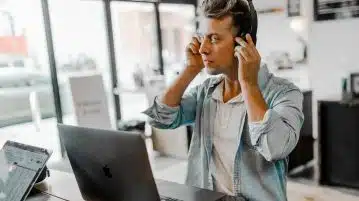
(263, 77)
(218, 94)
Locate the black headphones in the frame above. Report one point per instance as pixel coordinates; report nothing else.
(248, 22)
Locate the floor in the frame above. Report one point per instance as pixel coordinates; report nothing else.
(166, 168)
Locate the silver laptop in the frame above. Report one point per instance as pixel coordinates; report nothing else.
(114, 165)
(20, 167)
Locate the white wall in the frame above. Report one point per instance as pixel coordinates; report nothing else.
(275, 34)
(333, 53)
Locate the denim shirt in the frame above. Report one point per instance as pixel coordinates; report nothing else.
(260, 165)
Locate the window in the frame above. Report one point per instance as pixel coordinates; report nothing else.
(134, 26)
(80, 46)
(177, 27)
(25, 76)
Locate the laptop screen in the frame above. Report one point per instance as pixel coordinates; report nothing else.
(20, 165)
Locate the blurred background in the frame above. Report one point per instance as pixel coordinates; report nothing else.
(138, 49)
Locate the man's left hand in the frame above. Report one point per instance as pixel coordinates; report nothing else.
(248, 60)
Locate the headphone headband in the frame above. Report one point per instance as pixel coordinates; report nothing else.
(254, 21)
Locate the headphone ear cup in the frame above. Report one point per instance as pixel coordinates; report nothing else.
(248, 23)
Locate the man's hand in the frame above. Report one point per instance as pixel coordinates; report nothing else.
(248, 67)
(194, 65)
(194, 58)
(248, 61)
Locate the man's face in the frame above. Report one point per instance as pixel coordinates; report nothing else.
(217, 45)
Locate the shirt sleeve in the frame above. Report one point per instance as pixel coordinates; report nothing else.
(166, 117)
(278, 133)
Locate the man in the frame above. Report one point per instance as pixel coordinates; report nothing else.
(246, 121)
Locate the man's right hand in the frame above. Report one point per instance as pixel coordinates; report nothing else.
(194, 58)
(194, 65)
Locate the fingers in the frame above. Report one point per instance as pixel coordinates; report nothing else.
(243, 52)
(241, 42)
(194, 46)
(248, 43)
(191, 48)
(239, 56)
(250, 40)
(195, 41)
(249, 49)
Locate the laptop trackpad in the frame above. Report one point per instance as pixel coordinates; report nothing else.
(186, 193)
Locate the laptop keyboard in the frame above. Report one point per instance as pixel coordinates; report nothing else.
(16, 184)
(163, 198)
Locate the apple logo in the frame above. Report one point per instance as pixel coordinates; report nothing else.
(107, 171)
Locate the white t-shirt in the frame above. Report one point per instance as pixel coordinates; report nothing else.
(229, 118)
